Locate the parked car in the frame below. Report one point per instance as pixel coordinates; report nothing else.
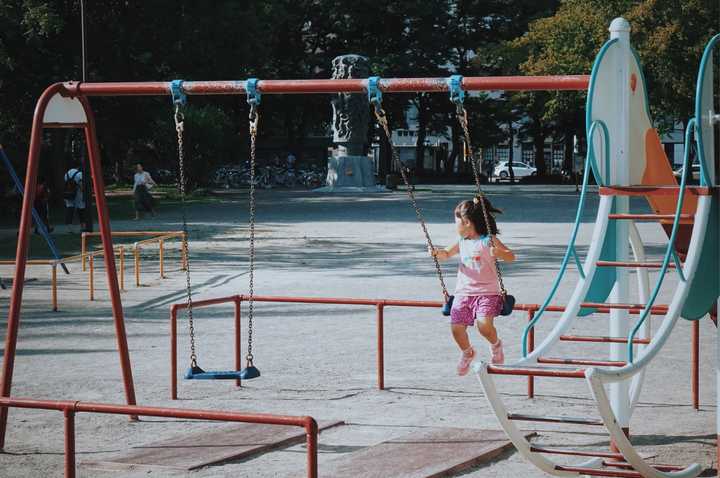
(519, 169)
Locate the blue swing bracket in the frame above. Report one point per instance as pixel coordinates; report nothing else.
(457, 94)
(179, 98)
(373, 90)
(253, 95)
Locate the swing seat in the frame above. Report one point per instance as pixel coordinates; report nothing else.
(196, 373)
(447, 306)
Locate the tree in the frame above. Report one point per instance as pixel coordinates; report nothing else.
(668, 35)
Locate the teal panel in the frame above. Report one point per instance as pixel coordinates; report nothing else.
(604, 279)
(705, 287)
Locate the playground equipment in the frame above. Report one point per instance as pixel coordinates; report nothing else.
(380, 305)
(87, 259)
(71, 408)
(194, 372)
(39, 224)
(67, 105)
(631, 163)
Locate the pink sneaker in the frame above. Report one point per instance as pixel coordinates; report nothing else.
(498, 356)
(465, 361)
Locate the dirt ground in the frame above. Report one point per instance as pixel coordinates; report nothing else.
(320, 360)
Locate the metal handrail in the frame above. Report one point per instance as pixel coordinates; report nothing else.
(590, 163)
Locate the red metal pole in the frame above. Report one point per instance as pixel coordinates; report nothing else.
(109, 254)
(69, 443)
(387, 85)
(13, 324)
(311, 432)
(238, 342)
(531, 347)
(696, 364)
(173, 353)
(380, 347)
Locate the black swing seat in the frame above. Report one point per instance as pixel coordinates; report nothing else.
(196, 373)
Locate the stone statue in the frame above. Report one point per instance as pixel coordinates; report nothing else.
(350, 111)
(349, 167)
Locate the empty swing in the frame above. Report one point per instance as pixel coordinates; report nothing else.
(195, 372)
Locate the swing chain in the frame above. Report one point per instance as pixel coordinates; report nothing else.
(254, 118)
(381, 117)
(180, 129)
(462, 117)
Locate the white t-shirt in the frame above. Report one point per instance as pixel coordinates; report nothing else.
(79, 201)
(143, 179)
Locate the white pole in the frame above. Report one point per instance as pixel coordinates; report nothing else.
(620, 175)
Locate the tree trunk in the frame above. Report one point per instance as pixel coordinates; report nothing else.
(568, 163)
(539, 146)
(511, 143)
(421, 135)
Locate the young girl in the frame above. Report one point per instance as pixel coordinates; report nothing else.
(477, 292)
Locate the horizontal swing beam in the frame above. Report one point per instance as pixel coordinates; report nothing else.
(388, 85)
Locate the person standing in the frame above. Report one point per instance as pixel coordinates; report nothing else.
(142, 183)
(73, 197)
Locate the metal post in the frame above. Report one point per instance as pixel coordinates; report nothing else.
(162, 254)
(238, 343)
(380, 347)
(69, 443)
(136, 252)
(53, 287)
(122, 267)
(23, 241)
(91, 277)
(173, 353)
(696, 364)
(107, 244)
(620, 174)
(311, 432)
(83, 247)
(531, 347)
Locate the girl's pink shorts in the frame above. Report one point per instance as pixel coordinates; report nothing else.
(466, 308)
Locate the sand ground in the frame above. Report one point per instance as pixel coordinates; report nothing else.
(320, 360)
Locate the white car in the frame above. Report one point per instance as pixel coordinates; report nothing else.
(519, 169)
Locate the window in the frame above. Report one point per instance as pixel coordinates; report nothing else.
(502, 154)
(558, 155)
(528, 154)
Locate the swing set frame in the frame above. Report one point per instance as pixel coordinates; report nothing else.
(67, 105)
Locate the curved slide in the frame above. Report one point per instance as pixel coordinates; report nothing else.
(627, 159)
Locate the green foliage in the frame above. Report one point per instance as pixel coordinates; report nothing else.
(227, 39)
(668, 35)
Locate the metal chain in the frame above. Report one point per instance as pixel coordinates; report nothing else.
(180, 128)
(381, 117)
(254, 118)
(468, 153)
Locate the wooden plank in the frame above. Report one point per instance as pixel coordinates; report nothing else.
(423, 454)
(193, 451)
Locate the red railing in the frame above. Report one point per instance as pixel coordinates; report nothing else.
(71, 408)
(379, 305)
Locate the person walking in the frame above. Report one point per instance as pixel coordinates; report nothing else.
(142, 183)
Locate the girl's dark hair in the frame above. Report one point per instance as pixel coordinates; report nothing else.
(473, 211)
